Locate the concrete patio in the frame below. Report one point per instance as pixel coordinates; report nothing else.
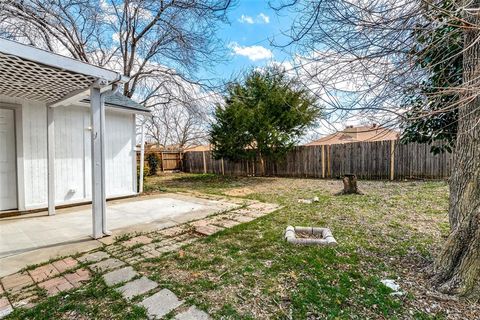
(35, 238)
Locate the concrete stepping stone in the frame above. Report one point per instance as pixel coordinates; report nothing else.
(78, 277)
(161, 303)
(106, 265)
(137, 287)
(5, 307)
(56, 285)
(42, 273)
(16, 282)
(118, 276)
(136, 241)
(26, 303)
(242, 219)
(172, 232)
(93, 257)
(193, 313)
(208, 230)
(65, 264)
(227, 223)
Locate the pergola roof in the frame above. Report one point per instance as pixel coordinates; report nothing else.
(35, 74)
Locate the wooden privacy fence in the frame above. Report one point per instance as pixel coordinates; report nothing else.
(368, 160)
(167, 160)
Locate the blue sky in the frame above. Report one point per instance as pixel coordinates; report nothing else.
(253, 24)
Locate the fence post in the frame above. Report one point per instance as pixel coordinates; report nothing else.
(329, 165)
(161, 160)
(204, 162)
(392, 159)
(223, 168)
(323, 161)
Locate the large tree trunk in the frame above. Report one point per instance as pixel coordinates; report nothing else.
(457, 268)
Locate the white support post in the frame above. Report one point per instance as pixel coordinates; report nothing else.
(142, 157)
(51, 161)
(103, 164)
(98, 182)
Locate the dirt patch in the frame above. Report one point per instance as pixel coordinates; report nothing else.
(239, 192)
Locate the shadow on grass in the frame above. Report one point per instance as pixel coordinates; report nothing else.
(209, 183)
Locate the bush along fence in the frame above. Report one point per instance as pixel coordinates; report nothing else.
(367, 160)
(164, 160)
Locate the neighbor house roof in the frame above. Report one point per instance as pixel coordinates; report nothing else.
(357, 134)
(207, 147)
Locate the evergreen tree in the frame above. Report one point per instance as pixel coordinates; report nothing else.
(262, 117)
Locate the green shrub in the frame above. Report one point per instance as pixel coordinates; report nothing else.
(152, 160)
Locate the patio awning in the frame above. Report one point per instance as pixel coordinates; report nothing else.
(34, 74)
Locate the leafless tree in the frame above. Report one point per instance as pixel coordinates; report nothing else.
(180, 115)
(361, 57)
(141, 38)
(159, 44)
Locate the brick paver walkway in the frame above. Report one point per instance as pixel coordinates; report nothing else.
(116, 262)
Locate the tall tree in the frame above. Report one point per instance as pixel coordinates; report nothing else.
(457, 268)
(373, 41)
(439, 53)
(262, 116)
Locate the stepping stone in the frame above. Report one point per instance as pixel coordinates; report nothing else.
(243, 219)
(118, 276)
(76, 278)
(201, 223)
(172, 232)
(5, 307)
(193, 314)
(227, 223)
(161, 303)
(106, 265)
(43, 273)
(94, 257)
(16, 282)
(65, 264)
(137, 287)
(26, 303)
(56, 285)
(137, 240)
(208, 230)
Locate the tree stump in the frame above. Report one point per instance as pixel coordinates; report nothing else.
(350, 184)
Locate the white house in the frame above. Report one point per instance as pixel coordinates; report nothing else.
(66, 134)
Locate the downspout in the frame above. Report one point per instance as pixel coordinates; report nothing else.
(114, 89)
(142, 156)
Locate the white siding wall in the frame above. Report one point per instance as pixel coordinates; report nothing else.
(120, 153)
(72, 153)
(34, 122)
(70, 129)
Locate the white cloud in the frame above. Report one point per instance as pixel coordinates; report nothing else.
(246, 19)
(253, 53)
(263, 18)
